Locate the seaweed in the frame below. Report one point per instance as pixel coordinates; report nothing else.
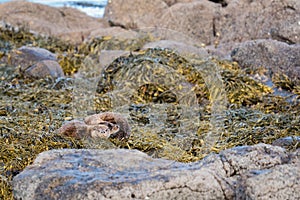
(164, 96)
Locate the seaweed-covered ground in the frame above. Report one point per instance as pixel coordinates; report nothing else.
(177, 107)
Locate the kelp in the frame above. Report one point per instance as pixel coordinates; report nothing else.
(162, 93)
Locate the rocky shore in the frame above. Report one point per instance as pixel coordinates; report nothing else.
(162, 99)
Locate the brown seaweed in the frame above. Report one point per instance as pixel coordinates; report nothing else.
(169, 116)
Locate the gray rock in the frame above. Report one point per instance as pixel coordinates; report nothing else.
(36, 53)
(287, 142)
(272, 184)
(36, 62)
(276, 56)
(43, 69)
(249, 172)
(25, 56)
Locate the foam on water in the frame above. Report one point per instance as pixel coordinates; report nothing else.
(94, 8)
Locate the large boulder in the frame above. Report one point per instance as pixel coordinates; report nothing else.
(277, 57)
(67, 23)
(213, 22)
(135, 13)
(247, 172)
(195, 19)
(243, 20)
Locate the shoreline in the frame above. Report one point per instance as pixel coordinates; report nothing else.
(91, 8)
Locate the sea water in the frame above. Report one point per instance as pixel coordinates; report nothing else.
(94, 8)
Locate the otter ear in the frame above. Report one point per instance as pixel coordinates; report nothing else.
(116, 127)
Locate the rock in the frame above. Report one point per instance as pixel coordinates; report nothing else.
(108, 56)
(36, 62)
(212, 22)
(67, 23)
(103, 125)
(287, 142)
(277, 57)
(222, 51)
(43, 69)
(264, 184)
(172, 2)
(182, 48)
(248, 172)
(243, 20)
(135, 13)
(27, 56)
(195, 19)
(117, 32)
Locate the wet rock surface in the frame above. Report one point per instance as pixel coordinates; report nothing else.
(239, 172)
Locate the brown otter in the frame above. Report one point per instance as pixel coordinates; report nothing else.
(103, 125)
(113, 119)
